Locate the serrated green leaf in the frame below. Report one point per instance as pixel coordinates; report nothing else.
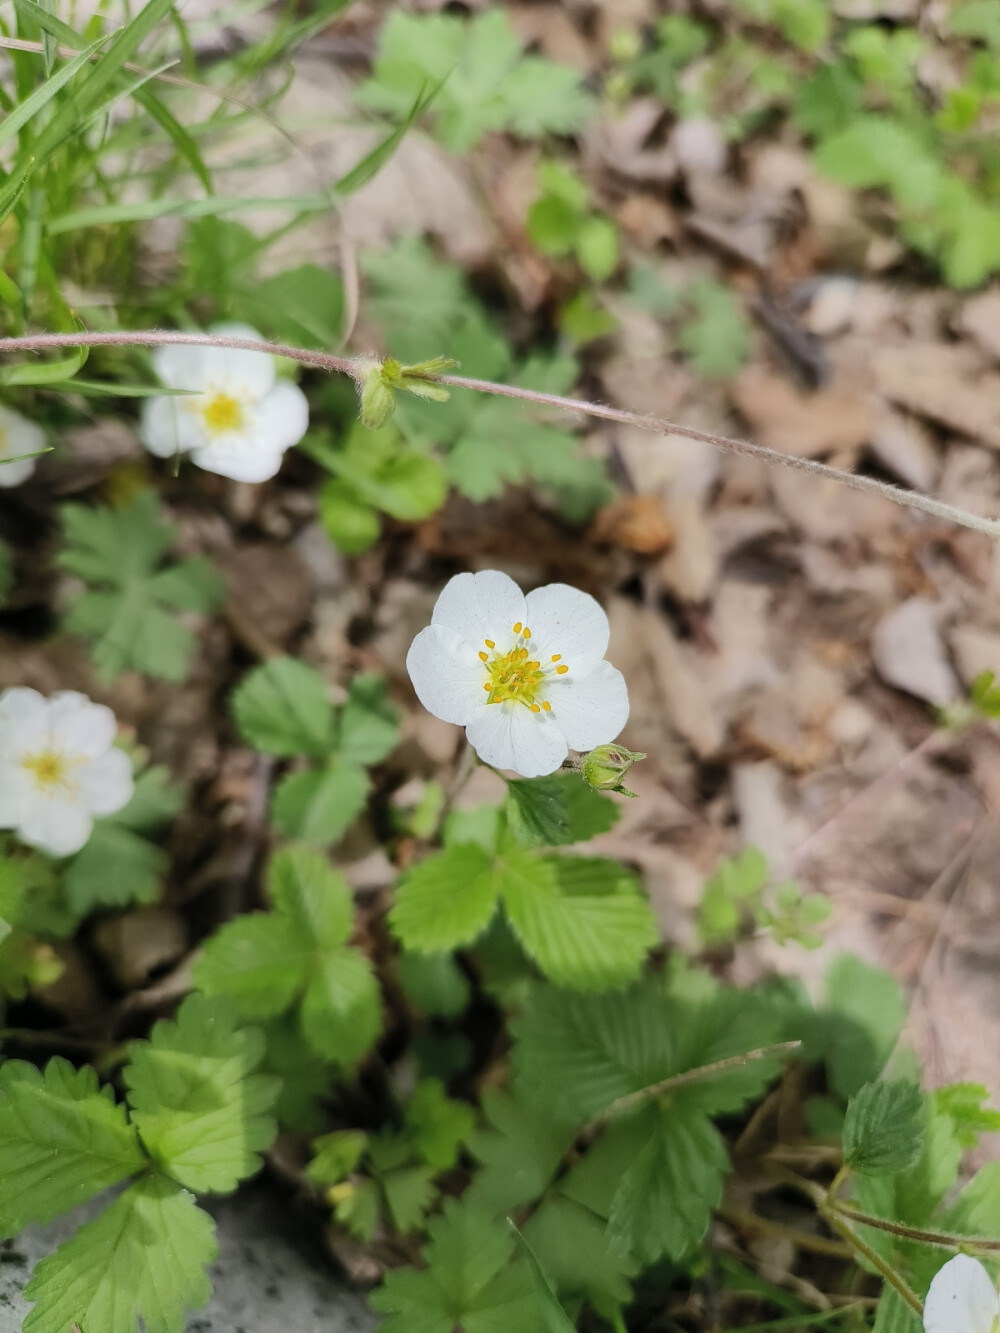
(143, 1258)
(336, 1156)
(368, 725)
(963, 1102)
(320, 804)
(115, 867)
(582, 919)
(557, 810)
(302, 306)
(341, 1012)
(438, 1125)
(129, 613)
(445, 901)
(434, 983)
(305, 887)
(556, 1318)
(519, 1152)
(349, 521)
(61, 1141)
(665, 1199)
(282, 708)
(409, 1193)
(259, 961)
(571, 1245)
(198, 1105)
(883, 1128)
(467, 1281)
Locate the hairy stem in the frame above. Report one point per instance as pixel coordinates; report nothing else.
(943, 1239)
(895, 1280)
(655, 425)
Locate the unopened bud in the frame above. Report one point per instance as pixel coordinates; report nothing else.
(378, 402)
(605, 767)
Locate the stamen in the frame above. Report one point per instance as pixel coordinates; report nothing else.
(547, 706)
(527, 632)
(517, 628)
(555, 657)
(484, 657)
(533, 666)
(487, 686)
(535, 708)
(561, 670)
(523, 652)
(489, 643)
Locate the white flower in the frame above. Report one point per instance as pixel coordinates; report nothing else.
(525, 676)
(962, 1299)
(242, 418)
(58, 768)
(18, 436)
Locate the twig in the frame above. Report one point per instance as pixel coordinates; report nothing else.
(655, 425)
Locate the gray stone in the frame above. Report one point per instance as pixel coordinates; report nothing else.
(269, 1278)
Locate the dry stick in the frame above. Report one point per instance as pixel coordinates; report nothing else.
(655, 425)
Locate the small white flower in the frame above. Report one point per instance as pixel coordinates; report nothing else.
(58, 768)
(962, 1299)
(18, 436)
(239, 419)
(525, 676)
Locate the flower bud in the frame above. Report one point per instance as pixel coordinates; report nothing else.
(605, 767)
(378, 402)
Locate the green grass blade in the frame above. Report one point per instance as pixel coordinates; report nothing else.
(43, 372)
(14, 185)
(373, 163)
(171, 126)
(556, 1318)
(109, 389)
(215, 206)
(41, 96)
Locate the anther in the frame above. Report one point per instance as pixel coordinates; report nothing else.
(486, 686)
(555, 657)
(533, 666)
(561, 670)
(484, 657)
(489, 643)
(527, 632)
(535, 708)
(517, 628)
(523, 652)
(547, 706)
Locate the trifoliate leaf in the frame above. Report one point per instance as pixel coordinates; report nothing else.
(467, 1282)
(583, 919)
(198, 1105)
(129, 611)
(573, 1249)
(519, 1153)
(963, 1102)
(114, 868)
(349, 521)
(282, 708)
(486, 84)
(883, 1128)
(143, 1258)
(305, 888)
(445, 901)
(320, 804)
(306, 1079)
(438, 1125)
(434, 983)
(557, 810)
(864, 1012)
(340, 1012)
(62, 1140)
(664, 1201)
(414, 297)
(368, 725)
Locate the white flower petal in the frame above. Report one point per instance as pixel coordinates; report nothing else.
(567, 621)
(18, 436)
(180, 366)
(282, 417)
(79, 728)
(447, 675)
(168, 426)
(246, 374)
(240, 459)
(509, 735)
(961, 1299)
(24, 722)
(12, 474)
(106, 782)
(591, 711)
(15, 793)
(481, 606)
(56, 824)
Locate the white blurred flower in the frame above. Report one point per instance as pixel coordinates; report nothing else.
(240, 418)
(18, 436)
(962, 1299)
(525, 676)
(58, 768)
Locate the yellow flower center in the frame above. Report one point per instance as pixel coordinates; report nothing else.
(48, 769)
(222, 414)
(517, 676)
